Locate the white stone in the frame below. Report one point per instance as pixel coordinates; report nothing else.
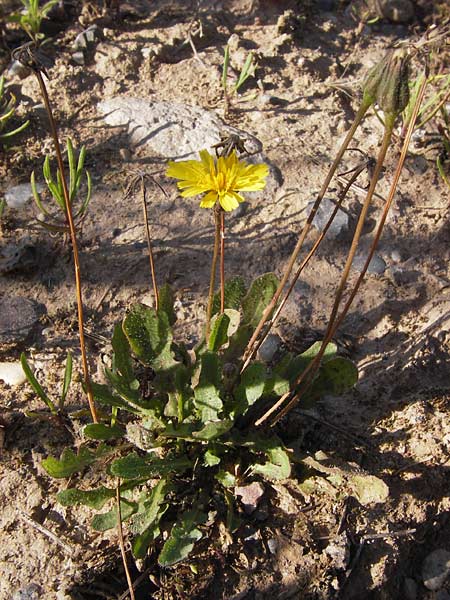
(18, 196)
(12, 373)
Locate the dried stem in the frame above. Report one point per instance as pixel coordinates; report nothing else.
(121, 542)
(73, 237)
(307, 375)
(308, 257)
(149, 242)
(250, 349)
(212, 279)
(222, 260)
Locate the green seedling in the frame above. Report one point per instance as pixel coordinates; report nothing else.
(31, 17)
(7, 111)
(55, 409)
(55, 187)
(248, 70)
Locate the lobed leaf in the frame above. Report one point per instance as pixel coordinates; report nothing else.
(96, 498)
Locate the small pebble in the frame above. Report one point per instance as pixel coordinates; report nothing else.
(78, 58)
(397, 256)
(269, 347)
(435, 569)
(19, 195)
(18, 69)
(377, 265)
(272, 544)
(324, 212)
(12, 373)
(397, 11)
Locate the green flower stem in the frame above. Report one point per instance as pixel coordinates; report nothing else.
(307, 375)
(212, 279)
(252, 346)
(222, 260)
(73, 236)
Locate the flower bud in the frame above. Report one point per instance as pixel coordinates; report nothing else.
(387, 83)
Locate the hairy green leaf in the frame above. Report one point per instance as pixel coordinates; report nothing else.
(206, 393)
(235, 290)
(226, 478)
(251, 386)
(134, 466)
(109, 520)
(69, 463)
(260, 294)
(122, 355)
(100, 431)
(219, 332)
(166, 302)
(213, 430)
(96, 498)
(277, 465)
(182, 538)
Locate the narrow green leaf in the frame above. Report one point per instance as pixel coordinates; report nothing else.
(166, 302)
(182, 538)
(245, 73)
(219, 332)
(67, 379)
(122, 354)
(104, 396)
(36, 385)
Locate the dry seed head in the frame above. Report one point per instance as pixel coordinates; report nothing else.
(387, 82)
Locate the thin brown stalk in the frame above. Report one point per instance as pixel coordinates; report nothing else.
(222, 261)
(307, 375)
(308, 257)
(250, 349)
(149, 242)
(73, 237)
(122, 543)
(212, 279)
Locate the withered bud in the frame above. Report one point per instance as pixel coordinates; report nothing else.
(387, 83)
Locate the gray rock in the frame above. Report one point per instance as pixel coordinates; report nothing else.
(272, 544)
(17, 255)
(78, 58)
(179, 131)
(30, 592)
(339, 224)
(241, 210)
(86, 37)
(17, 318)
(377, 265)
(397, 256)
(18, 69)
(18, 196)
(410, 589)
(269, 347)
(339, 552)
(435, 569)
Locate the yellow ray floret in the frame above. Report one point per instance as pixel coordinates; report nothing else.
(218, 179)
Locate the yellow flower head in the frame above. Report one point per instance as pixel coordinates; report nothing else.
(218, 179)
